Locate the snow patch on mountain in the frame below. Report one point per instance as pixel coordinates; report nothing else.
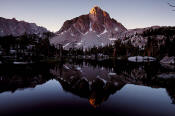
(90, 27)
(105, 31)
(112, 39)
(66, 45)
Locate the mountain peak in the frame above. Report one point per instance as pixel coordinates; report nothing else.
(14, 19)
(87, 31)
(96, 10)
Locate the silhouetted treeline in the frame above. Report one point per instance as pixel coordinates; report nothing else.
(26, 47)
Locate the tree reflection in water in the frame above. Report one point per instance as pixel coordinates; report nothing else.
(93, 80)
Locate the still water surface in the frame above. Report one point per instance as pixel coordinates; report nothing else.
(87, 87)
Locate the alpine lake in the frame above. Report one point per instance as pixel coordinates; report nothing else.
(87, 87)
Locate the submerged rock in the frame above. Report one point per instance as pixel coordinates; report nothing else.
(168, 60)
(166, 75)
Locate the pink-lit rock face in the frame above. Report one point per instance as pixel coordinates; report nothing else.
(17, 28)
(96, 25)
(97, 15)
(97, 19)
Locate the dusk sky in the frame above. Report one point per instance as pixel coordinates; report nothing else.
(52, 13)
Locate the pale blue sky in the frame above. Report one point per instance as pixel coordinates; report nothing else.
(52, 13)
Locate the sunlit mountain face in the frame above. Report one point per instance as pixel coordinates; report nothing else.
(78, 86)
(94, 29)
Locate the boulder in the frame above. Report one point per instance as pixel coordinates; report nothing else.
(168, 60)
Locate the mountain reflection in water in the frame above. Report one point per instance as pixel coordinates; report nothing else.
(94, 81)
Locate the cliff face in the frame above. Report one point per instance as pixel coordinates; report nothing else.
(94, 29)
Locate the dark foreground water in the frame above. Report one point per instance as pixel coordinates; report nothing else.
(86, 88)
